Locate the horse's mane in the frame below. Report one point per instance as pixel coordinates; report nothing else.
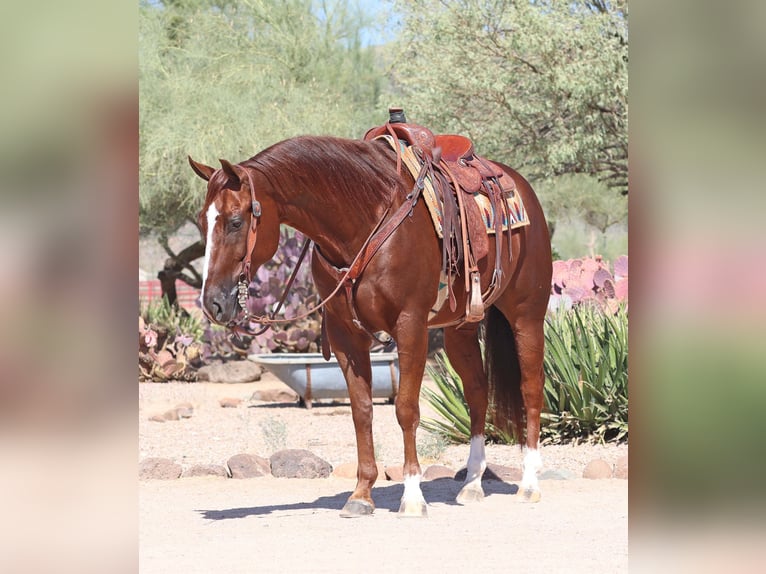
(360, 173)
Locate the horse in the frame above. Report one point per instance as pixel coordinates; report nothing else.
(341, 193)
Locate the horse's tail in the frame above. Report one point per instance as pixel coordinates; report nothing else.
(506, 405)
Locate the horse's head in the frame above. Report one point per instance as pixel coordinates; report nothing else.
(241, 230)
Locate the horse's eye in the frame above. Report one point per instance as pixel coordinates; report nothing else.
(235, 224)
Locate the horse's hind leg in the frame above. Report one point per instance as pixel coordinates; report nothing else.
(462, 346)
(530, 342)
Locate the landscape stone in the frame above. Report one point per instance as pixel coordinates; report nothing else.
(157, 418)
(556, 474)
(436, 471)
(205, 470)
(248, 466)
(275, 396)
(171, 415)
(230, 403)
(597, 469)
(348, 470)
(494, 472)
(621, 467)
(231, 372)
(394, 472)
(299, 463)
(158, 469)
(185, 410)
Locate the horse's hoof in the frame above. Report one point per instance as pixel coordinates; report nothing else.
(528, 495)
(355, 508)
(468, 495)
(413, 510)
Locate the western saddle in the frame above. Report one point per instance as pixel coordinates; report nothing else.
(457, 173)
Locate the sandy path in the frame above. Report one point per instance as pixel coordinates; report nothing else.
(292, 525)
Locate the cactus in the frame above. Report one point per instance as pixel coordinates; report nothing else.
(589, 281)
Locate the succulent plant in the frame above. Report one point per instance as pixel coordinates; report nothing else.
(589, 280)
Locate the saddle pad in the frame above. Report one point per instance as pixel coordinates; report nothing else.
(518, 214)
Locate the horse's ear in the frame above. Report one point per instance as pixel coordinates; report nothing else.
(233, 171)
(202, 170)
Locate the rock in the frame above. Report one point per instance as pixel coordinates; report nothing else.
(436, 471)
(158, 469)
(171, 415)
(345, 470)
(157, 418)
(556, 474)
(275, 396)
(248, 466)
(230, 403)
(231, 372)
(206, 470)
(494, 472)
(394, 472)
(348, 470)
(621, 467)
(299, 463)
(597, 469)
(185, 410)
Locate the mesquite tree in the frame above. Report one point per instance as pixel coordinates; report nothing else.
(540, 85)
(227, 79)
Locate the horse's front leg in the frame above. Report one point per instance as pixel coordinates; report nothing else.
(351, 348)
(413, 347)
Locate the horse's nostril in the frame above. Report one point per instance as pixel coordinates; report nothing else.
(218, 310)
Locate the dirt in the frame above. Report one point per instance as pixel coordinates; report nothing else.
(210, 524)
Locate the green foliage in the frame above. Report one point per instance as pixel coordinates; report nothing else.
(539, 85)
(160, 314)
(588, 219)
(225, 79)
(169, 346)
(449, 402)
(274, 433)
(586, 376)
(586, 383)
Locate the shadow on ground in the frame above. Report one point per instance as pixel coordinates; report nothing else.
(438, 491)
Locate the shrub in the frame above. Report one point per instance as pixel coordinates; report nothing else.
(586, 382)
(589, 280)
(169, 344)
(450, 403)
(586, 376)
(301, 336)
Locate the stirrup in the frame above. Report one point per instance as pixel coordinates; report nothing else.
(475, 308)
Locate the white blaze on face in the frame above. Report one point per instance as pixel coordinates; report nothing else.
(212, 216)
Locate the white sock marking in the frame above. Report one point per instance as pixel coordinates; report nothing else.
(532, 463)
(412, 492)
(477, 460)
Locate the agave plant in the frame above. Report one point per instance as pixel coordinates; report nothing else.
(450, 403)
(586, 375)
(586, 382)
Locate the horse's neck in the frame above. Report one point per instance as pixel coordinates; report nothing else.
(338, 227)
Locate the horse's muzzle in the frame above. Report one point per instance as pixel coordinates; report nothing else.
(220, 305)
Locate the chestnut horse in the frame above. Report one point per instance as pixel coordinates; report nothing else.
(338, 192)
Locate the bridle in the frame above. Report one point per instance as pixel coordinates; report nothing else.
(380, 233)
